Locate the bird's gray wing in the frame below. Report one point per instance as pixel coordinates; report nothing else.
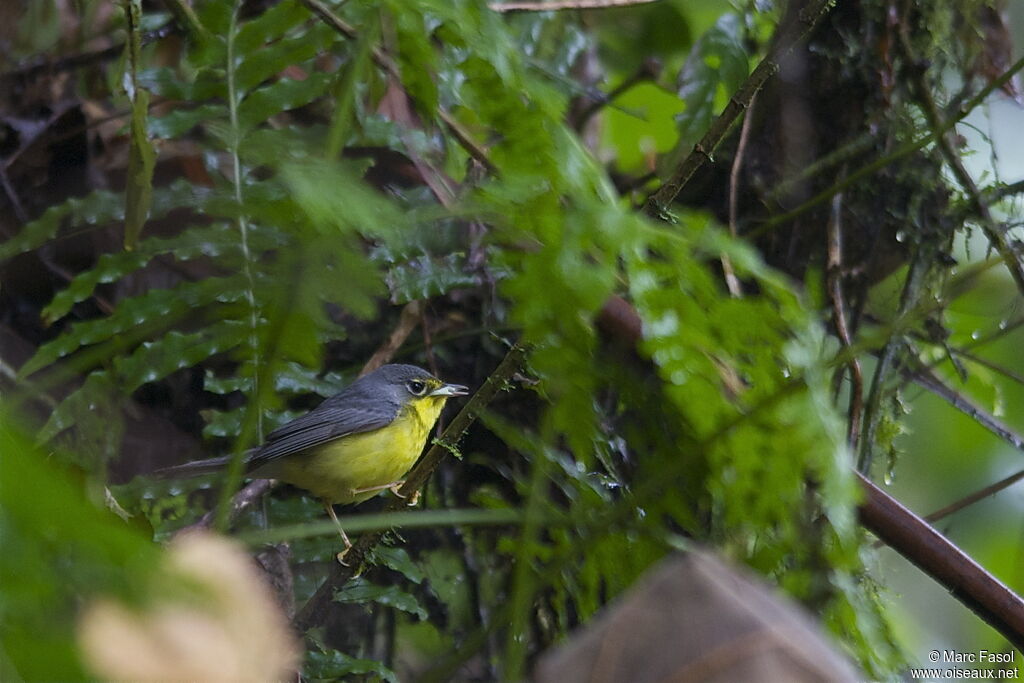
(336, 417)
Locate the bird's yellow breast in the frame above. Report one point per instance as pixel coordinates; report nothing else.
(338, 470)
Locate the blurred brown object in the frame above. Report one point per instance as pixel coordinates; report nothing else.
(695, 618)
(230, 628)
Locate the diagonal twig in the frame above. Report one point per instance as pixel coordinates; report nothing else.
(974, 497)
(785, 40)
(924, 377)
(834, 281)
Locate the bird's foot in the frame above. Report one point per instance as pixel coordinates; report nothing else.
(413, 499)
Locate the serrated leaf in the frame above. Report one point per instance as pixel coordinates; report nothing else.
(99, 207)
(223, 423)
(154, 360)
(428, 276)
(280, 96)
(155, 305)
(277, 20)
(112, 267)
(294, 378)
(261, 65)
(180, 121)
(359, 591)
(217, 241)
(93, 401)
(228, 423)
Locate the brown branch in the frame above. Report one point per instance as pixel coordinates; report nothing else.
(787, 37)
(407, 321)
(834, 279)
(883, 515)
(731, 281)
(315, 610)
(939, 558)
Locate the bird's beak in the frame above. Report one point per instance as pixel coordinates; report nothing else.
(447, 390)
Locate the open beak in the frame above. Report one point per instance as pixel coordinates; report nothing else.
(447, 390)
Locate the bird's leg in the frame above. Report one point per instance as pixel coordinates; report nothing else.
(393, 487)
(344, 536)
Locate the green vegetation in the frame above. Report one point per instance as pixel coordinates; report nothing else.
(285, 176)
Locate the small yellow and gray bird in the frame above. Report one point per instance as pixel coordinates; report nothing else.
(356, 443)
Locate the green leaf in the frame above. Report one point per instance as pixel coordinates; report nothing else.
(179, 121)
(277, 20)
(280, 96)
(269, 61)
(715, 69)
(56, 556)
(357, 71)
(334, 665)
(397, 559)
(154, 360)
(98, 208)
(216, 241)
(427, 276)
(416, 60)
(360, 591)
(141, 154)
(158, 305)
(335, 199)
(95, 411)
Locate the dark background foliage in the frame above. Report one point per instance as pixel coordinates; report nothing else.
(215, 213)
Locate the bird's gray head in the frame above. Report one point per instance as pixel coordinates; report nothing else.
(402, 383)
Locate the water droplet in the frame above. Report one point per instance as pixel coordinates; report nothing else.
(890, 468)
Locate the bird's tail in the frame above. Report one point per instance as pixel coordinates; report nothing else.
(192, 469)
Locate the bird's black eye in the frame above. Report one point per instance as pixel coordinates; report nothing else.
(416, 387)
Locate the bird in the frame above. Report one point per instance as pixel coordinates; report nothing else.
(355, 444)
